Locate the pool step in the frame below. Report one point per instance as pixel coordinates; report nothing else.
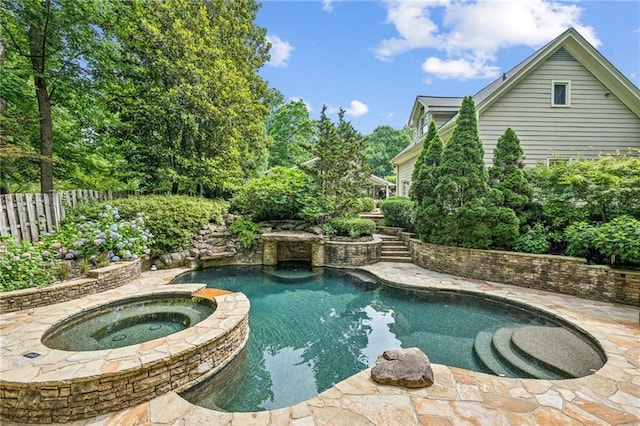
(562, 351)
(484, 350)
(495, 349)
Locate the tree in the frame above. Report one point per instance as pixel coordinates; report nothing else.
(423, 177)
(462, 214)
(508, 178)
(291, 131)
(382, 145)
(55, 40)
(340, 171)
(187, 89)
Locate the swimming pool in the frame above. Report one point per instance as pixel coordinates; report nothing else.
(308, 334)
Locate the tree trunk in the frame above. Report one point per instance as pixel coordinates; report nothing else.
(36, 48)
(4, 179)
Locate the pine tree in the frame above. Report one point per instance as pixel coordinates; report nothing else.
(463, 173)
(507, 175)
(340, 171)
(463, 213)
(423, 189)
(425, 162)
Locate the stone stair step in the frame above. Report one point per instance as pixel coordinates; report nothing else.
(501, 341)
(484, 350)
(395, 253)
(385, 237)
(396, 259)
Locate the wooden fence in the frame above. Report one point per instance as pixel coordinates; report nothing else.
(27, 216)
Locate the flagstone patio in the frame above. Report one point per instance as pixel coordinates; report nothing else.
(458, 397)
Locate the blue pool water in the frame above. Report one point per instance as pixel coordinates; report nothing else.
(311, 331)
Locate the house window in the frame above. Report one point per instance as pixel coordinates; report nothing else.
(405, 188)
(556, 160)
(424, 123)
(561, 93)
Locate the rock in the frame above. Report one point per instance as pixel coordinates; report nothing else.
(410, 368)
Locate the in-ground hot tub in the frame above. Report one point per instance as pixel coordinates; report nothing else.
(47, 385)
(127, 322)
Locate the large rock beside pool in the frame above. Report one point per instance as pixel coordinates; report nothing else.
(409, 368)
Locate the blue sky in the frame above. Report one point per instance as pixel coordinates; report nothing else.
(373, 58)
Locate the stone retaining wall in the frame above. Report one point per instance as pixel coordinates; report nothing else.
(352, 254)
(183, 365)
(97, 280)
(568, 275)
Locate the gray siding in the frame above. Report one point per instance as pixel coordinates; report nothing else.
(404, 175)
(593, 124)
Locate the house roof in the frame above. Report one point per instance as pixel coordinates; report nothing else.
(578, 47)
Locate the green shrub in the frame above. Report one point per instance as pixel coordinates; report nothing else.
(174, 220)
(108, 236)
(246, 231)
(398, 212)
(534, 240)
(580, 238)
(349, 227)
(279, 195)
(353, 206)
(24, 265)
(367, 204)
(616, 241)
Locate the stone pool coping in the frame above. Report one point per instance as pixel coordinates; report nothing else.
(610, 396)
(63, 385)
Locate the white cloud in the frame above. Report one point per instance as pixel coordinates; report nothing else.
(306, 104)
(460, 69)
(280, 51)
(331, 109)
(471, 33)
(327, 5)
(357, 108)
(387, 115)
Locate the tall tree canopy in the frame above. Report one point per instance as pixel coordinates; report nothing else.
(291, 132)
(52, 46)
(188, 93)
(340, 170)
(382, 145)
(151, 94)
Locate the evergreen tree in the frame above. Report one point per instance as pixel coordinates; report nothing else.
(507, 175)
(462, 214)
(340, 170)
(424, 181)
(428, 159)
(463, 173)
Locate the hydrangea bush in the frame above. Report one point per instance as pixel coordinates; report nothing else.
(23, 264)
(108, 236)
(107, 239)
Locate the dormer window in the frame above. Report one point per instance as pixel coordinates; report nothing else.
(424, 123)
(561, 94)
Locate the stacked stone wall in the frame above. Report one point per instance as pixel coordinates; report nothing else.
(34, 402)
(352, 254)
(97, 280)
(568, 275)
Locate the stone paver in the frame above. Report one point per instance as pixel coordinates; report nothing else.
(611, 396)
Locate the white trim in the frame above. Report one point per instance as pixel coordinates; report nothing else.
(567, 84)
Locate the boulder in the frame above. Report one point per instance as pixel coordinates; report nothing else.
(410, 368)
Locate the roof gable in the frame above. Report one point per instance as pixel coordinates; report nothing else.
(578, 47)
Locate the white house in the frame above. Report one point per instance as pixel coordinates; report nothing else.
(565, 100)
